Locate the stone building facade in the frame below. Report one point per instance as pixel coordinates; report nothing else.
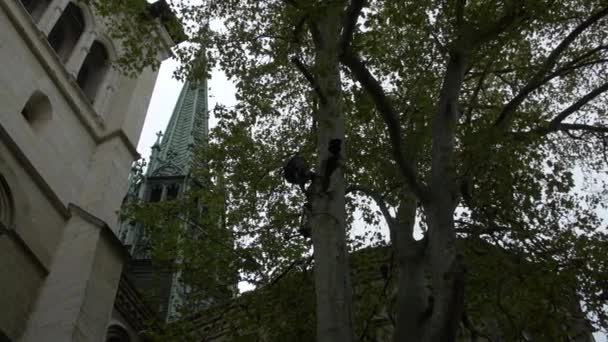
(69, 124)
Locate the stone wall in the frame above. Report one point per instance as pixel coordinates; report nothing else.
(65, 159)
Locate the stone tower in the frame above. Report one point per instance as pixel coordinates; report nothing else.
(167, 177)
(69, 124)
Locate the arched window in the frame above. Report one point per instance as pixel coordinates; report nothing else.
(67, 31)
(6, 206)
(116, 333)
(155, 193)
(93, 70)
(35, 7)
(37, 110)
(172, 192)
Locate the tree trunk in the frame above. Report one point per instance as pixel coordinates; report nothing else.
(327, 193)
(447, 274)
(412, 290)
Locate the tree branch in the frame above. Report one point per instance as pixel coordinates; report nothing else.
(441, 46)
(565, 70)
(475, 333)
(577, 105)
(444, 122)
(465, 227)
(538, 79)
(350, 22)
(373, 87)
(310, 78)
(390, 220)
(292, 3)
(577, 63)
(219, 242)
(585, 55)
(460, 5)
(289, 268)
(514, 12)
(298, 28)
(567, 127)
(507, 82)
(473, 99)
(390, 116)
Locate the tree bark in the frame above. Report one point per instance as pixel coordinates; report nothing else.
(447, 273)
(327, 192)
(412, 301)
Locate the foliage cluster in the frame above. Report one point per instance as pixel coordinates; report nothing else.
(531, 129)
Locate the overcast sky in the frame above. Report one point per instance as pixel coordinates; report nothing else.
(165, 95)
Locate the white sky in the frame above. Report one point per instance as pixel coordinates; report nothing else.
(165, 94)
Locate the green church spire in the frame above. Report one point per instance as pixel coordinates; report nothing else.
(165, 179)
(187, 128)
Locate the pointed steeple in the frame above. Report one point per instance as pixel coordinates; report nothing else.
(188, 127)
(166, 179)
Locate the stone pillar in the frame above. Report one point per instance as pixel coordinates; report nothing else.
(51, 15)
(106, 183)
(75, 302)
(81, 50)
(163, 194)
(104, 96)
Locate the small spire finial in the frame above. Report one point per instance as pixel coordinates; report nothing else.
(159, 134)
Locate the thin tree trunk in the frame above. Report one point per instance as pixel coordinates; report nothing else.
(327, 195)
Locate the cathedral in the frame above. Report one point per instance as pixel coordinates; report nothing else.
(69, 125)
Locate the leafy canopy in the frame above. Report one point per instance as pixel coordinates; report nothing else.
(532, 190)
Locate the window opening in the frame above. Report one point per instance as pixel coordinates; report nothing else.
(172, 192)
(6, 206)
(93, 70)
(156, 193)
(35, 7)
(67, 31)
(117, 333)
(37, 110)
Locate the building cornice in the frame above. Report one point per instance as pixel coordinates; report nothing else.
(106, 231)
(120, 134)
